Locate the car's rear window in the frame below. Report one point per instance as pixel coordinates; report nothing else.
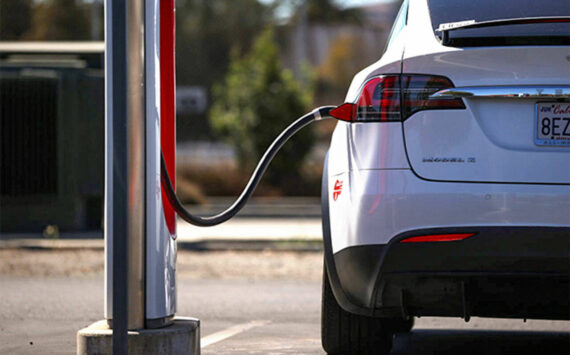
(448, 11)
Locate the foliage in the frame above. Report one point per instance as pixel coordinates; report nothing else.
(257, 100)
(208, 30)
(344, 59)
(15, 18)
(326, 12)
(59, 20)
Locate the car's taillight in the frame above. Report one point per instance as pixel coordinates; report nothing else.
(417, 90)
(380, 98)
(437, 238)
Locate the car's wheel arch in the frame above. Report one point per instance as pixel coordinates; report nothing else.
(341, 296)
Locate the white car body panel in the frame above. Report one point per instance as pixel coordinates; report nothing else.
(376, 145)
(486, 155)
(338, 151)
(377, 205)
(496, 66)
(360, 146)
(510, 182)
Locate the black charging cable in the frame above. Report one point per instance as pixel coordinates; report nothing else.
(316, 115)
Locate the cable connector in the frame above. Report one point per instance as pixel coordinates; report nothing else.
(322, 113)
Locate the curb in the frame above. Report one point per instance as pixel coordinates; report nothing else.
(301, 245)
(52, 244)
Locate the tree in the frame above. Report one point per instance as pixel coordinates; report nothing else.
(326, 12)
(345, 58)
(257, 100)
(206, 33)
(59, 20)
(207, 30)
(15, 18)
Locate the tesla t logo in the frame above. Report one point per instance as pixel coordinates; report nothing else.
(337, 189)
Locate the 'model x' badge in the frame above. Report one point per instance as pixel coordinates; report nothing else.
(337, 189)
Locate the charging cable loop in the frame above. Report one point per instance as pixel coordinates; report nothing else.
(315, 115)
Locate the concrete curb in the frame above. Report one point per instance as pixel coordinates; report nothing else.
(302, 245)
(52, 244)
(182, 337)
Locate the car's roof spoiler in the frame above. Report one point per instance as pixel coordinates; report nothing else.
(445, 28)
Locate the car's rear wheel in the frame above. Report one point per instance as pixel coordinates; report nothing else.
(400, 325)
(346, 333)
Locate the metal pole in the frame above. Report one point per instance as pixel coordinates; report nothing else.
(136, 145)
(125, 95)
(117, 98)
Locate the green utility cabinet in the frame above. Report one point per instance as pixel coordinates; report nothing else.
(51, 137)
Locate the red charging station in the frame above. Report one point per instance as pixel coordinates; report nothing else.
(168, 101)
(140, 200)
(140, 223)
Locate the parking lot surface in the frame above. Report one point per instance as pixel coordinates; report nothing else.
(248, 302)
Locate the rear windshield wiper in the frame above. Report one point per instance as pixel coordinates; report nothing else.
(445, 28)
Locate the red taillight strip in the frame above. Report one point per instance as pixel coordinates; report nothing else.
(437, 238)
(390, 97)
(383, 99)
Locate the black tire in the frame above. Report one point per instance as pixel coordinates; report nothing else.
(400, 325)
(346, 333)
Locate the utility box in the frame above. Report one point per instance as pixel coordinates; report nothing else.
(51, 136)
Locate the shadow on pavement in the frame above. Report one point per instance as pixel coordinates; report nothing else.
(487, 342)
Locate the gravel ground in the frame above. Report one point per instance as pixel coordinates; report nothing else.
(301, 266)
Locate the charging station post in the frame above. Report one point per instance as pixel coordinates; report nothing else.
(140, 199)
(140, 247)
(117, 129)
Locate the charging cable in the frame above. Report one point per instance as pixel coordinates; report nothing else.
(315, 115)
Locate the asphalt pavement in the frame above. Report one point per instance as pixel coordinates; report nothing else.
(248, 302)
(254, 282)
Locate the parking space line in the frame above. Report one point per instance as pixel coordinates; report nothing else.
(230, 332)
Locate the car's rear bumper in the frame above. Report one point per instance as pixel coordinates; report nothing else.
(511, 272)
(376, 205)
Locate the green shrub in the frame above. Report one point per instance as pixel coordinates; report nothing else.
(257, 100)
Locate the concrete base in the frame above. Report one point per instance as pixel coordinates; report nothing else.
(183, 337)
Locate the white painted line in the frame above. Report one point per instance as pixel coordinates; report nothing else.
(254, 228)
(230, 332)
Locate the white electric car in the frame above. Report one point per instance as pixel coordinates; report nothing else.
(446, 188)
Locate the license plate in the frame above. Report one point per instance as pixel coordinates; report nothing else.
(552, 122)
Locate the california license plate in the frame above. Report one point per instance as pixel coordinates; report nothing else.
(552, 123)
